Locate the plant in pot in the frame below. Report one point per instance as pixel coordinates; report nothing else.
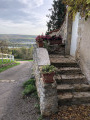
(39, 40)
(48, 72)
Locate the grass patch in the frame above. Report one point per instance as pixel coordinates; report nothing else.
(29, 87)
(5, 61)
(22, 60)
(9, 66)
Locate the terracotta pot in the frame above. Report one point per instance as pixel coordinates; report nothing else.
(40, 43)
(52, 42)
(48, 77)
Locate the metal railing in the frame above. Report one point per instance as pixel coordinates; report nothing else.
(6, 56)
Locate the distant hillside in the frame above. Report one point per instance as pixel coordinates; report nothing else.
(17, 38)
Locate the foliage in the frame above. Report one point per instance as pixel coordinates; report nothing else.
(3, 47)
(42, 37)
(82, 6)
(31, 81)
(23, 53)
(48, 69)
(47, 38)
(29, 87)
(58, 12)
(48, 41)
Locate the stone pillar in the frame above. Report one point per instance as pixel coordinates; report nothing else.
(46, 92)
(48, 98)
(69, 35)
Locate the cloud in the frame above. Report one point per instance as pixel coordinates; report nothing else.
(32, 3)
(23, 16)
(26, 27)
(39, 2)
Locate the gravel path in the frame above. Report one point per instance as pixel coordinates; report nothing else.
(12, 106)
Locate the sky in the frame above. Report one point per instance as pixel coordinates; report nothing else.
(24, 16)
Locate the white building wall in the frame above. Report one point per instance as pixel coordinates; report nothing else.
(83, 46)
(74, 35)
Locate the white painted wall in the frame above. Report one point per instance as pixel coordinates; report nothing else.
(74, 35)
(83, 46)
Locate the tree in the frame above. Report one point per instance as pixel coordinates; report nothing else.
(3, 48)
(58, 12)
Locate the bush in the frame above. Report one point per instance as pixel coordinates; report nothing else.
(29, 89)
(48, 69)
(23, 53)
(31, 81)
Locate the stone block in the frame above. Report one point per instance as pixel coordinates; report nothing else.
(42, 56)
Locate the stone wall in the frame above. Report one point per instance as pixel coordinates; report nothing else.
(83, 46)
(69, 34)
(62, 31)
(46, 92)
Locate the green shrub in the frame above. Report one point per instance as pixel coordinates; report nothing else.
(31, 81)
(29, 89)
(48, 69)
(23, 53)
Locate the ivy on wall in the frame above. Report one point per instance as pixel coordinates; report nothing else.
(82, 6)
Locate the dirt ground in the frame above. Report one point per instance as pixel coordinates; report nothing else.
(12, 106)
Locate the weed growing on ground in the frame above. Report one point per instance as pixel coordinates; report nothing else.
(34, 95)
(29, 82)
(29, 87)
(37, 106)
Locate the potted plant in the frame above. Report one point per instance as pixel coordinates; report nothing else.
(48, 72)
(56, 40)
(39, 41)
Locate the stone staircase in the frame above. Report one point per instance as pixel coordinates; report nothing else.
(72, 85)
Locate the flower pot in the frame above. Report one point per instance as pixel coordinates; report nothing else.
(40, 43)
(48, 77)
(52, 42)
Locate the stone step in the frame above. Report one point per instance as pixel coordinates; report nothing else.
(74, 98)
(70, 79)
(61, 58)
(62, 64)
(68, 70)
(56, 56)
(73, 88)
